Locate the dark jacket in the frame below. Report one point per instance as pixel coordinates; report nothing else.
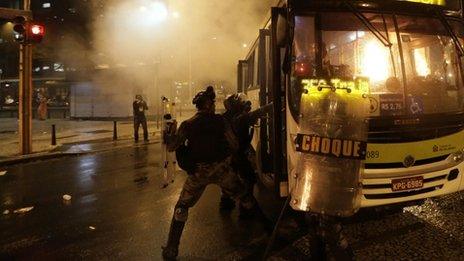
(209, 138)
(139, 109)
(242, 125)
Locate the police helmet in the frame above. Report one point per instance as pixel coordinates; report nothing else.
(204, 96)
(236, 102)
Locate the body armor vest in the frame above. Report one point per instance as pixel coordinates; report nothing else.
(206, 139)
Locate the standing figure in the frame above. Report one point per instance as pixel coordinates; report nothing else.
(140, 106)
(232, 110)
(208, 142)
(168, 157)
(42, 109)
(242, 119)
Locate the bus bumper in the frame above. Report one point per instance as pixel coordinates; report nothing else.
(377, 184)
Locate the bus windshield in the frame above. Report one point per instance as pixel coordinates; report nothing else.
(417, 70)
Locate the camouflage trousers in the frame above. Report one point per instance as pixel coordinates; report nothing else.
(219, 173)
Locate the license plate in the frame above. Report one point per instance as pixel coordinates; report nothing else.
(407, 183)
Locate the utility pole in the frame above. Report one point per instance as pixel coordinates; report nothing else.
(25, 93)
(190, 66)
(157, 94)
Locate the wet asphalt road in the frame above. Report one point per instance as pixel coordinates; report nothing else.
(119, 212)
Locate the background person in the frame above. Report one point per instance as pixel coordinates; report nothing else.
(42, 109)
(140, 106)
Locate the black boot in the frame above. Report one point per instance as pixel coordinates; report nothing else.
(339, 249)
(226, 204)
(317, 247)
(337, 246)
(171, 250)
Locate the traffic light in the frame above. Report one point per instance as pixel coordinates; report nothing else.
(27, 31)
(19, 29)
(35, 33)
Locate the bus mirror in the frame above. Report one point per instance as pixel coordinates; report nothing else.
(281, 30)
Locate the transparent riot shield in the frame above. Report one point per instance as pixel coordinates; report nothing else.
(168, 158)
(331, 146)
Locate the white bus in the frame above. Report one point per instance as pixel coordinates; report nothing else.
(411, 54)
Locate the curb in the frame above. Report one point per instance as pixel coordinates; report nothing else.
(34, 157)
(55, 155)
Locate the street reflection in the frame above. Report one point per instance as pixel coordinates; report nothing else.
(86, 169)
(140, 165)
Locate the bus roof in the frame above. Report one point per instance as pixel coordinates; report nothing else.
(449, 7)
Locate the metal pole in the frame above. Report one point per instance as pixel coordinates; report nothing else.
(115, 130)
(53, 135)
(157, 98)
(403, 67)
(190, 66)
(25, 94)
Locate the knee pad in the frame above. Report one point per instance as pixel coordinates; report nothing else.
(181, 214)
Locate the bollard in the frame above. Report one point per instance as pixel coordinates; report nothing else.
(53, 135)
(115, 130)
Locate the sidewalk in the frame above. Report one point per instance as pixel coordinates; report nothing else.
(72, 137)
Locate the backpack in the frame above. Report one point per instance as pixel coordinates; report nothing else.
(184, 159)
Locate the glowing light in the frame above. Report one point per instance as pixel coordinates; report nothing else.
(430, 2)
(422, 67)
(37, 29)
(245, 45)
(160, 11)
(175, 15)
(153, 13)
(359, 85)
(356, 35)
(375, 62)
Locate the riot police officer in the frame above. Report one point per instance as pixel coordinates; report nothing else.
(239, 114)
(233, 108)
(210, 143)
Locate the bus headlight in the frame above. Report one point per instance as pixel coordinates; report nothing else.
(458, 156)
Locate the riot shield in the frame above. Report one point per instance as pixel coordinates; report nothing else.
(331, 146)
(168, 158)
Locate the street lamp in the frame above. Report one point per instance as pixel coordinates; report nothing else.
(153, 13)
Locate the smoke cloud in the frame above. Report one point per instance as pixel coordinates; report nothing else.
(149, 48)
(210, 33)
